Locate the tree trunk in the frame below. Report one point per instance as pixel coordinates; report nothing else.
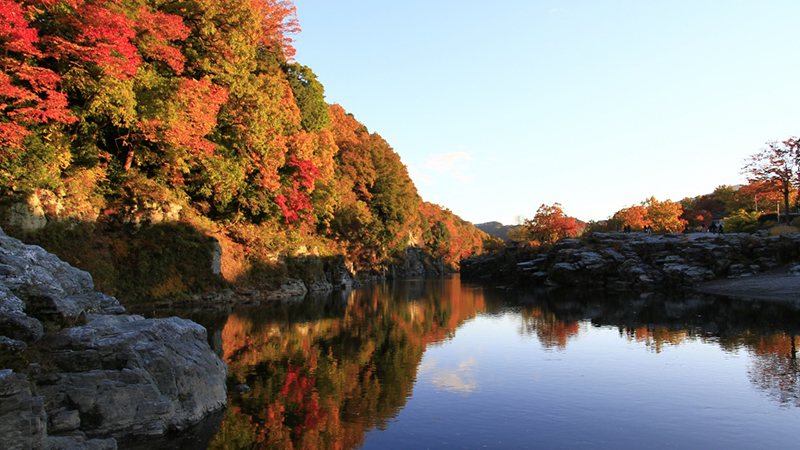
(129, 161)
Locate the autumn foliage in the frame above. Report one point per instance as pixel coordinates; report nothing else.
(200, 102)
(661, 216)
(547, 226)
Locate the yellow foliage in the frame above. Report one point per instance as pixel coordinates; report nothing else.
(173, 285)
(780, 229)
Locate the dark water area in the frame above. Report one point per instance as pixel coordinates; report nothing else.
(445, 364)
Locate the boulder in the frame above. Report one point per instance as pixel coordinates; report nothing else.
(104, 376)
(51, 288)
(127, 376)
(28, 215)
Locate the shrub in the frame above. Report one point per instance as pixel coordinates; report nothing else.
(742, 222)
(780, 229)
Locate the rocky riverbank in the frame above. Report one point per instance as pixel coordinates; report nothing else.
(163, 253)
(76, 372)
(640, 262)
(317, 275)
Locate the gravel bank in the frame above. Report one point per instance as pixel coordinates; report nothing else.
(775, 285)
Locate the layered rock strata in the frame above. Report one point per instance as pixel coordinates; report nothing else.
(639, 261)
(76, 372)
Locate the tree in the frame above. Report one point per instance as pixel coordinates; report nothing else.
(309, 94)
(551, 224)
(760, 196)
(664, 217)
(181, 124)
(742, 222)
(634, 217)
(776, 164)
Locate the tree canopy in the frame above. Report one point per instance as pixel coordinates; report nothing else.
(200, 102)
(776, 166)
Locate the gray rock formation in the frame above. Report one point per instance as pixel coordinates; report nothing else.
(92, 375)
(23, 422)
(51, 288)
(291, 288)
(641, 262)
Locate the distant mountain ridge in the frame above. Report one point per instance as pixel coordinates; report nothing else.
(496, 229)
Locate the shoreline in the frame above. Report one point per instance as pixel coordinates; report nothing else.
(775, 285)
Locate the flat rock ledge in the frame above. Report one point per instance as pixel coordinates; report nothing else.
(78, 373)
(640, 262)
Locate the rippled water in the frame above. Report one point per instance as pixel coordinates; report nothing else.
(441, 364)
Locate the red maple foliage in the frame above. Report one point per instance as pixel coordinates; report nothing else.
(155, 31)
(296, 200)
(28, 94)
(95, 31)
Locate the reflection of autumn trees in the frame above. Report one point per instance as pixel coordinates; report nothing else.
(768, 331)
(551, 331)
(555, 333)
(323, 383)
(775, 368)
(657, 338)
(322, 374)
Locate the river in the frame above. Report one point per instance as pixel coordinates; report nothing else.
(446, 364)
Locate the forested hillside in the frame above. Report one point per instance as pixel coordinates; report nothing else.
(136, 130)
(496, 229)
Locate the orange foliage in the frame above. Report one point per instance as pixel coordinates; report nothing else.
(156, 31)
(656, 339)
(447, 235)
(634, 217)
(663, 217)
(198, 99)
(550, 224)
(279, 21)
(551, 331)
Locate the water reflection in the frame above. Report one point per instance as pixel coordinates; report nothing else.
(775, 369)
(767, 331)
(321, 376)
(461, 379)
(325, 371)
(552, 332)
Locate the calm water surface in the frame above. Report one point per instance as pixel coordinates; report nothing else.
(441, 364)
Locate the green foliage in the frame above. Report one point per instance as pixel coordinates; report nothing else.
(121, 107)
(742, 222)
(38, 165)
(440, 239)
(309, 94)
(394, 196)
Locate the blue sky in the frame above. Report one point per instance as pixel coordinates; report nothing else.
(499, 107)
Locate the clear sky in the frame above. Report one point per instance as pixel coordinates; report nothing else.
(497, 107)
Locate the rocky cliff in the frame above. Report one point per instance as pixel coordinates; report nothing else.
(639, 261)
(76, 372)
